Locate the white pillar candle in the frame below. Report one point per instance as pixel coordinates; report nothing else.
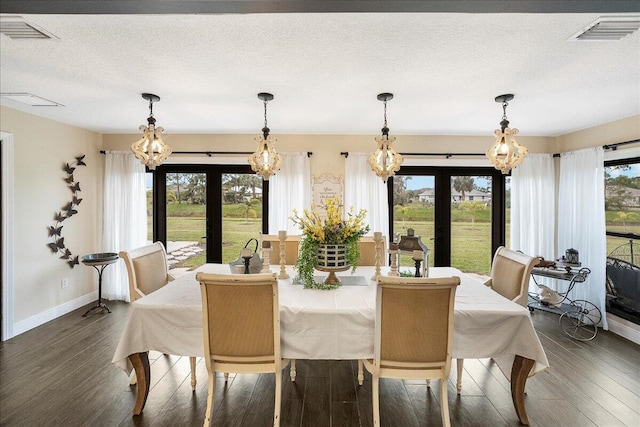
(377, 235)
(418, 255)
(282, 234)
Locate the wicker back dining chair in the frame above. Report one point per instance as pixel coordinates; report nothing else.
(510, 275)
(148, 271)
(413, 334)
(147, 268)
(241, 329)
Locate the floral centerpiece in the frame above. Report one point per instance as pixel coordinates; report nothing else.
(329, 230)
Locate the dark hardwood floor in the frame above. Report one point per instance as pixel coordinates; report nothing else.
(61, 374)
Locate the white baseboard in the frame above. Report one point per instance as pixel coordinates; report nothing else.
(624, 328)
(53, 313)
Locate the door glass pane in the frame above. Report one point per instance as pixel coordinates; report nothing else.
(148, 183)
(186, 220)
(413, 207)
(241, 213)
(471, 224)
(507, 214)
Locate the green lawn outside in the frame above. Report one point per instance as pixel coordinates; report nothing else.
(471, 243)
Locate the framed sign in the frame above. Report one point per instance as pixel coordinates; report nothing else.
(325, 187)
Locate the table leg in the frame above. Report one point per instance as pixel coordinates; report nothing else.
(140, 362)
(519, 373)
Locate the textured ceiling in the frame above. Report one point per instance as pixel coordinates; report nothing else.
(325, 70)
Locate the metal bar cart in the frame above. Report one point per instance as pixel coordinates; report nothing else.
(578, 318)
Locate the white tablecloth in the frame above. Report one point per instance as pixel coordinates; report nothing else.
(337, 324)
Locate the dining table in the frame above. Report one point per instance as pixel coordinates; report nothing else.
(333, 324)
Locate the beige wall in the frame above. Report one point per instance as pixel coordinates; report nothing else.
(609, 133)
(41, 148)
(326, 148)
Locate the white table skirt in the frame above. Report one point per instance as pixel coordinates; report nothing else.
(332, 325)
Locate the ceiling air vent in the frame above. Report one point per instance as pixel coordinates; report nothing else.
(608, 28)
(30, 99)
(17, 28)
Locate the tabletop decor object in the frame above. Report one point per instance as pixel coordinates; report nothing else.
(282, 236)
(377, 238)
(249, 261)
(329, 244)
(266, 254)
(393, 253)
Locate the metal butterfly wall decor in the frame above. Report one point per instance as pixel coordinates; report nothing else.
(68, 210)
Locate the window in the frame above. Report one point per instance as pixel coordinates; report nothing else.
(206, 213)
(458, 212)
(622, 202)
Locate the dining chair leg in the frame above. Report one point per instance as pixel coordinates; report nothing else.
(276, 410)
(192, 362)
(459, 364)
(226, 377)
(210, 388)
(444, 402)
(375, 392)
(360, 371)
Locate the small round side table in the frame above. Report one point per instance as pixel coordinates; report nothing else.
(99, 261)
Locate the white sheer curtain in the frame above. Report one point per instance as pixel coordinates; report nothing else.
(363, 189)
(289, 189)
(533, 209)
(125, 217)
(581, 220)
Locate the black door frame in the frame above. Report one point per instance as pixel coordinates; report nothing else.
(213, 208)
(442, 213)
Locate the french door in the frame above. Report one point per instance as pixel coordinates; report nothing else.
(207, 212)
(459, 213)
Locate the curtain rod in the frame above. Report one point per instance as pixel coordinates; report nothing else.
(612, 147)
(615, 146)
(447, 155)
(215, 153)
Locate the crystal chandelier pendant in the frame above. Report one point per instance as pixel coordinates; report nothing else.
(265, 161)
(385, 161)
(151, 149)
(506, 153)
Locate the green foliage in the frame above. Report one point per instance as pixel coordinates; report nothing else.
(307, 257)
(249, 206)
(463, 184)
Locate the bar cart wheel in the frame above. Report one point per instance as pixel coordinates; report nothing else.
(580, 322)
